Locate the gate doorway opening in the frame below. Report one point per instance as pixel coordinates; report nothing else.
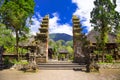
(60, 55)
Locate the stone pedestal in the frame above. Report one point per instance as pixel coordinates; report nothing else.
(41, 60)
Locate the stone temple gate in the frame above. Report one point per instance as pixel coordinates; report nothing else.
(42, 40)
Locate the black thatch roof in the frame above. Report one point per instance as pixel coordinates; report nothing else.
(29, 43)
(92, 37)
(63, 52)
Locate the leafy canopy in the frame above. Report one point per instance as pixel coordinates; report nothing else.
(105, 18)
(14, 14)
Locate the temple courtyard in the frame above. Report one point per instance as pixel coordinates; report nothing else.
(103, 74)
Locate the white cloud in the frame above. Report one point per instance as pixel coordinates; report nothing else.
(84, 9)
(55, 27)
(36, 24)
(118, 6)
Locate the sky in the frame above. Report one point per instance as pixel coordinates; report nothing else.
(61, 12)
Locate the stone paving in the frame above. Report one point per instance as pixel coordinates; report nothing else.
(107, 74)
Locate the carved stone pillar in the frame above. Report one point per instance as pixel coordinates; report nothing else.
(77, 40)
(42, 41)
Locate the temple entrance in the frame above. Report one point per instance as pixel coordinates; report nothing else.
(62, 55)
(44, 53)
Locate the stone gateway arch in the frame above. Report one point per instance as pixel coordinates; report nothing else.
(42, 41)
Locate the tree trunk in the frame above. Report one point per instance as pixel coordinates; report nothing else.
(17, 40)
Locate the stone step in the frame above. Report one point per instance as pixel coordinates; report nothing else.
(60, 66)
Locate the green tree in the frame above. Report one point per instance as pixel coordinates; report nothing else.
(69, 43)
(51, 43)
(117, 29)
(70, 50)
(60, 44)
(14, 14)
(7, 39)
(103, 20)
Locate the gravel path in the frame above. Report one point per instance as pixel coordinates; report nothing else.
(104, 74)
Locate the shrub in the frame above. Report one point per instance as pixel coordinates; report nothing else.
(71, 57)
(14, 61)
(109, 58)
(6, 61)
(24, 62)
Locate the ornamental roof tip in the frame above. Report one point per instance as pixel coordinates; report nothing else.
(47, 16)
(74, 16)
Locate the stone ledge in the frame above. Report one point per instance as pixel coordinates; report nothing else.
(110, 66)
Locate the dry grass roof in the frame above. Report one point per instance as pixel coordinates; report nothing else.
(92, 37)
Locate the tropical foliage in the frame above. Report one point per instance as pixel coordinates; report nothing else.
(7, 39)
(104, 19)
(14, 14)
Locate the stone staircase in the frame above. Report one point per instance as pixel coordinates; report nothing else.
(60, 66)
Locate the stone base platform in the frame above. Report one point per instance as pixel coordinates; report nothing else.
(41, 60)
